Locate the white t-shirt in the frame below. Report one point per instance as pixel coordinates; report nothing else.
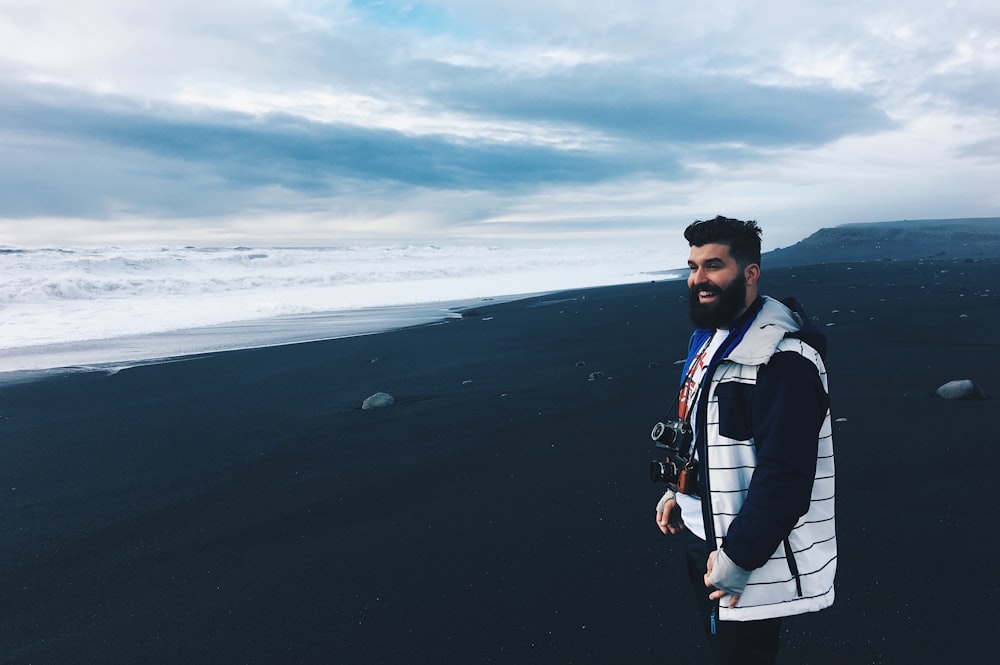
(691, 505)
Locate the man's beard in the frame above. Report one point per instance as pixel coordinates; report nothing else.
(718, 314)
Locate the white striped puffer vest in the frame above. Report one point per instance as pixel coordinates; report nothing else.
(774, 589)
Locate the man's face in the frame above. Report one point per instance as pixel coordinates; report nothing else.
(717, 285)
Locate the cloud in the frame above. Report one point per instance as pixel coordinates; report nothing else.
(485, 114)
(629, 124)
(641, 102)
(125, 142)
(987, 150)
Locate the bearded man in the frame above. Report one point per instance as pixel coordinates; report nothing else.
(758, 515)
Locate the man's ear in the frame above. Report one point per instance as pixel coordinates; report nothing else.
(751, 273)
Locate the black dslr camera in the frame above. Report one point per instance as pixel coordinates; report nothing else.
(677, 470)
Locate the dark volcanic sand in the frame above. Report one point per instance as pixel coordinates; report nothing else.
(242, 508)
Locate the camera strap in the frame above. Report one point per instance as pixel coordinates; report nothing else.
(691, 387)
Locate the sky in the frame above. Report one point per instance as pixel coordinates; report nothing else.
(301, 121)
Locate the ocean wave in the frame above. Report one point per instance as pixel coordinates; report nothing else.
(36, 276)
(60, 295)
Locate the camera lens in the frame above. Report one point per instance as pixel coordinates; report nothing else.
(663, 434)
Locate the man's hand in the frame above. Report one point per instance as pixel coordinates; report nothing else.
(718, 593)
(668, 516)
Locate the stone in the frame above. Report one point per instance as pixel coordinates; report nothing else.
(960, 389)
(377, 401)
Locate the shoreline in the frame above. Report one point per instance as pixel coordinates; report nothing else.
(63, 297)
(110, 355)
(114, 354)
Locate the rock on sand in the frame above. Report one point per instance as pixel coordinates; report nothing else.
(378, 400)
(961, 389)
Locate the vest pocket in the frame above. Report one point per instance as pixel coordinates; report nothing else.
(793, 566)
(734, 401)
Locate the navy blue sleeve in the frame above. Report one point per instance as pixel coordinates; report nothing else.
(789, 406)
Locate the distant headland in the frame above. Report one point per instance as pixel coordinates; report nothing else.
(903, 240)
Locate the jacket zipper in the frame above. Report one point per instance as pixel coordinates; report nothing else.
(701, 417)
(707, 513)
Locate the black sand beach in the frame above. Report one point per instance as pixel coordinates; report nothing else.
(242, 508)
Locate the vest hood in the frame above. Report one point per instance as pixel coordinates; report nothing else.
(773, 322)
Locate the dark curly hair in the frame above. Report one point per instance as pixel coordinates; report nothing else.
(743, 238)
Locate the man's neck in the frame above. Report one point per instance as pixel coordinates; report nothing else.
(740, 318)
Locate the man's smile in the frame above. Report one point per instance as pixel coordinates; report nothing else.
(707, 294)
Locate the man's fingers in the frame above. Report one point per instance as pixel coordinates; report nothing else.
(667, 523)
(719, 594)
(669, 519)
(661, 521)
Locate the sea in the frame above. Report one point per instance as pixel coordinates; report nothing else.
(111, 307)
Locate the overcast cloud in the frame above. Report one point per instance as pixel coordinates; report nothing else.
(300, 121)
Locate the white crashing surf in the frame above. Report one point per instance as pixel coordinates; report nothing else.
(72, 306)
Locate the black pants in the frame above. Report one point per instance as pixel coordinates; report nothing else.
(733, 642)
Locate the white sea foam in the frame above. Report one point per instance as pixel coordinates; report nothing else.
(72, 306)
